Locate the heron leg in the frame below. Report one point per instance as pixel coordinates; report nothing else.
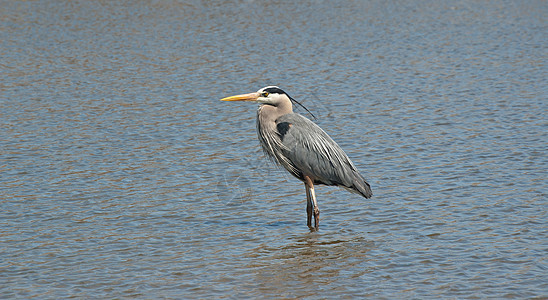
(316, 210)
(311, 204)
(308, 208)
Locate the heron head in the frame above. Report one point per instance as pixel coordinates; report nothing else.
(271, 95)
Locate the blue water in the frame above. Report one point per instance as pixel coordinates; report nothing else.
(124, 176)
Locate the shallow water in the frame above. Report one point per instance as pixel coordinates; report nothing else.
(124, 176)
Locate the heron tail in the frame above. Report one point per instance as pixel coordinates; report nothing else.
(362, 187)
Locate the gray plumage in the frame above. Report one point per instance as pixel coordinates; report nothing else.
(303, 148)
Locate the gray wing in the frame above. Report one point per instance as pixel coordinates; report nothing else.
(315, 154)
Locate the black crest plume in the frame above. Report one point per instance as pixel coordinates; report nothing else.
(277, 90)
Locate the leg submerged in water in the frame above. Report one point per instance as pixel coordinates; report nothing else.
(311, 204)
(308, 209)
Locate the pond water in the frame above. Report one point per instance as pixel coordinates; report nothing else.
(124, 176)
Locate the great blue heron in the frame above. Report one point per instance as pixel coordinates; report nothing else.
(302, 148)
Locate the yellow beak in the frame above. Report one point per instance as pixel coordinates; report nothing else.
(243, 97)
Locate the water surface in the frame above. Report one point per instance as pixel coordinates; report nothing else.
(124, 176)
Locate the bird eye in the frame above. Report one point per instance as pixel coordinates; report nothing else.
(264, 94)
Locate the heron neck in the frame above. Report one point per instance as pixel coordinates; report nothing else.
(271, 113)
(285, 107)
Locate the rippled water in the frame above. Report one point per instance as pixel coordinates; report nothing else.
(124, 176)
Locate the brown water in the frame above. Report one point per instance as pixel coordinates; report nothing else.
(124, 176)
